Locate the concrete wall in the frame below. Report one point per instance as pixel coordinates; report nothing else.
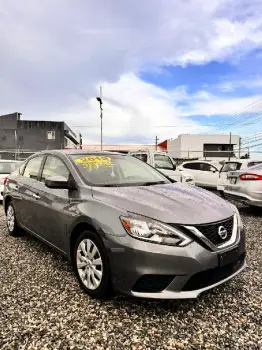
(192, 146)
(174, 147)
(9, 121)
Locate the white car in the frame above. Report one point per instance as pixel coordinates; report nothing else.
(205, 173)
(164, 163)
(6, 168)
(233, 165)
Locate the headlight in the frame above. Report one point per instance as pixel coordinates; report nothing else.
(153, 231)
(239, 220)
(188, 179)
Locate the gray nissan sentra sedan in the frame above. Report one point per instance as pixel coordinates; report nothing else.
(124, 225)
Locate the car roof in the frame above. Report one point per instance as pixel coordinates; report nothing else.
(242, 161)
(78, 152)
(202, 161)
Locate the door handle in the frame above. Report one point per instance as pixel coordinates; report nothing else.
(36, 196)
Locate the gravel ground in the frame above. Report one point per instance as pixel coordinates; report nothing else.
(42, 306)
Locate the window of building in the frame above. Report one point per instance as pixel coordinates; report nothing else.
(54, 167)
(51, 135)
(32, 167)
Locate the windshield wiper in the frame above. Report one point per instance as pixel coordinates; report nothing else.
(152, 183)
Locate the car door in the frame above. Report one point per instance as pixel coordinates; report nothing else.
(223, 173)
(52, 207)
(24, 191)
(194, 169)
(208, 175)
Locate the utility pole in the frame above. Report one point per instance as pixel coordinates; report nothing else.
(99, 99)
(229, 146)
(239, 151)
(157, 139)
(80, 141)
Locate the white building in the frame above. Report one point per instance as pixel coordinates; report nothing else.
(123, 147)
(202, 146)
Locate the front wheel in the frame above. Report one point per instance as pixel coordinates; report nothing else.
(13, 228)
(92, 265)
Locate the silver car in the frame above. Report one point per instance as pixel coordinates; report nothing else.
(124, 225)
(245, 185)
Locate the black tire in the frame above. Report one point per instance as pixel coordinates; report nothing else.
(13, 229)
(104, 289)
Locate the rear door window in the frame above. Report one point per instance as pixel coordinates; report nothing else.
(207, 167)
(230, 166)
(192, 166)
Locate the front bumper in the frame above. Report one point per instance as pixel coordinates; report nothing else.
(164, 272)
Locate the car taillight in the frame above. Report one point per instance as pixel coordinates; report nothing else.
(250, 177)
(4, 180)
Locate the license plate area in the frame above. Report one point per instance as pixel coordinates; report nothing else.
(228, 257)
(232, 180)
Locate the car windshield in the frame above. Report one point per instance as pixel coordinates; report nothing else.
(163, 162)
(7, 167)
(116, 170)
(232, 166)
(256, 167)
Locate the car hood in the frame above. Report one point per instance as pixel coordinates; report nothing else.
(171, 173)
(170, 203)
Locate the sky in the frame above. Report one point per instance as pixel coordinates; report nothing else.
(166, 67)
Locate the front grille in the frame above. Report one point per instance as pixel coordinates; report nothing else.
(152, 283)
(212, 276)
(210, 231)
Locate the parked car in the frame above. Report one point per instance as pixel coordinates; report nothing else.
(205, 173)
(164, 163)
(233, 165)
(6, 167)
(124, 225)
(245, 185)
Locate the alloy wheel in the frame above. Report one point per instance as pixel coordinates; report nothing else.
(89, 264)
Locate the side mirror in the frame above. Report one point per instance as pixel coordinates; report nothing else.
(57, 182)
(174, 167)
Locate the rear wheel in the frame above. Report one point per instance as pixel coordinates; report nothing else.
(92, 265)
(13, 228)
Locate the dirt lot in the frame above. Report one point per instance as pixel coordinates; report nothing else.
(42, 306)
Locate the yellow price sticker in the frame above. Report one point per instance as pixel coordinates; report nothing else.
(94, 162)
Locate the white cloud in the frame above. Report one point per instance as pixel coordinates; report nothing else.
(250, 83)
(133, 109)
(54, 56)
